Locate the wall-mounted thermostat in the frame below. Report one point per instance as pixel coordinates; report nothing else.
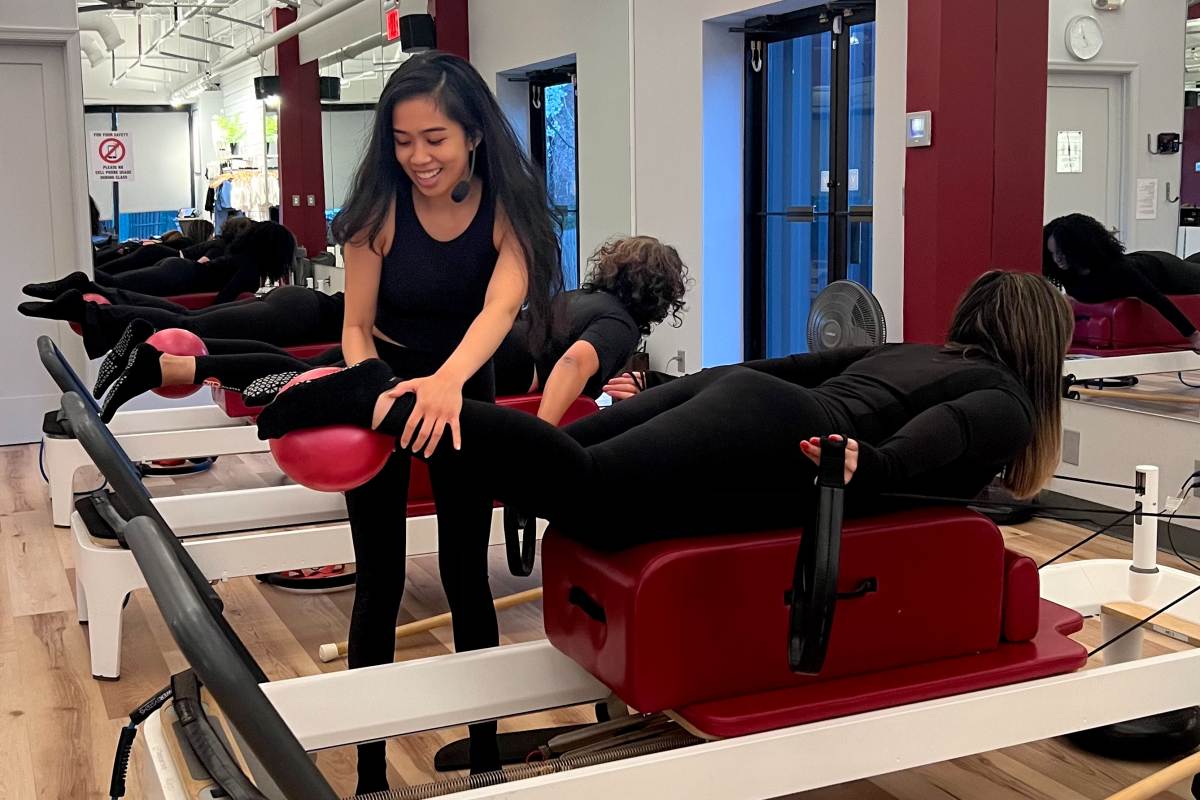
(919, 129)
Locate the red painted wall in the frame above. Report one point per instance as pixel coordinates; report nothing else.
(973, 200)
(453, 32)
(1189, 179)
(301, 167)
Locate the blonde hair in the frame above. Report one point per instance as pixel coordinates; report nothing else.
(1022, 321)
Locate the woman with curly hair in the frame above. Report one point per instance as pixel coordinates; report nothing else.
(1091, 264)
(636, 282)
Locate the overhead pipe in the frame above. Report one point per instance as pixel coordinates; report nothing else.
(254, 49)
(104, 26)
(352, 50)
(93, 49)
(174, 26)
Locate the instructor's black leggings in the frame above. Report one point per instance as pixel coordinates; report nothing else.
(377, 512)
(286, 316)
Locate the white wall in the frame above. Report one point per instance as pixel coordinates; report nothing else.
(52, 217)
(1149, 35)
(161, 161)
(344, 137)
(688, 191)
(511, 35)
(37, 14)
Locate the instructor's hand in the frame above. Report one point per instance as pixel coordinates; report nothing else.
(812, 449)
(439, 401)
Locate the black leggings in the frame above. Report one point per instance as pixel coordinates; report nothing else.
(234, 363)
(286, 316)
(1178, 276)
(169, 276)
(377, 524)
(713, 452)
(143, 256)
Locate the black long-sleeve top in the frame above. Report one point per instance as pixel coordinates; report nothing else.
(929, 420)
(230, 276)
(1133, 275)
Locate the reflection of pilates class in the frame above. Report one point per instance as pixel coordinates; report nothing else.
(608, 412)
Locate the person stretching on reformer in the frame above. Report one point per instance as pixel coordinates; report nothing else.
(1091, 264)
(635, 283)
(735, 445)
(264, 251)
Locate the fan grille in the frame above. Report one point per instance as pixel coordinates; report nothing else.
(845, 314)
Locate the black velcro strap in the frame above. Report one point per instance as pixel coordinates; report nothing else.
(97, 523)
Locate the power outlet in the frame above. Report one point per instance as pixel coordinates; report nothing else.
(1070, 447)
(681, 356)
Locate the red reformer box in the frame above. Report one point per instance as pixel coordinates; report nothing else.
(1129, 326)
(699, 626)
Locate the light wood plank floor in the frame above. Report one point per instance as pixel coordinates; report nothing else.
(58, 726)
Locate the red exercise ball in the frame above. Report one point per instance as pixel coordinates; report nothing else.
(335, 458)
(90, 297)
(177, 342)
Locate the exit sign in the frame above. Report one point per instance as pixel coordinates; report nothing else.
(390, 18)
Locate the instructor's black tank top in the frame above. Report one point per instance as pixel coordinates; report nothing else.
(430, 291)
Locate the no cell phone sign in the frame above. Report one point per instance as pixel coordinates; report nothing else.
(111, 155)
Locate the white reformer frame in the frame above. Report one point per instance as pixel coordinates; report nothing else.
(105, 572)
(340, 708)
(189, 432)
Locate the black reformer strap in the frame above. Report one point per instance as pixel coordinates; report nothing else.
(814, 585)
(520, 542)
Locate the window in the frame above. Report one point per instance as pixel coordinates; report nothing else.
(809, 153)
(554, 143)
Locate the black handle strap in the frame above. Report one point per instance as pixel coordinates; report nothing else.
(587, 604)
(814, 579)
(520, 542)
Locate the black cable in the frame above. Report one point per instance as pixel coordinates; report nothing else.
(1034, 507)
(1189, 385)
(1082, 542)
(1140, 623)
(1097, 483)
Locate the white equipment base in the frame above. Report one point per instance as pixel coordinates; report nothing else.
(335, 709)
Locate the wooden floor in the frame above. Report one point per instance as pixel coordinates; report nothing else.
(58, 726)
(1164, 393)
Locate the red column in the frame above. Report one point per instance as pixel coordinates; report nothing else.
(453, 32)
(301, 166)
(973, 200)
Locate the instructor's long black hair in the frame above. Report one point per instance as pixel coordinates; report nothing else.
(518, 187)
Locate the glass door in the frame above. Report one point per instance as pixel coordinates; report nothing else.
(554, 144)
(809, 151)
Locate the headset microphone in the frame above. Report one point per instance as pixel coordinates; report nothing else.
(463, 187)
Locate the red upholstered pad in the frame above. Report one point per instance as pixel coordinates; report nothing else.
(1022, 591)
(1130, 323)
(692, 620)
(1050, 653)
(197, 300)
